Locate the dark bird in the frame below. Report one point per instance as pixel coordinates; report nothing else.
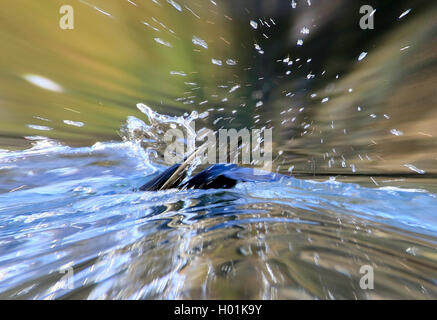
(216, 176)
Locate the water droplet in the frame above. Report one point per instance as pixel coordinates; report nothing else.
(165, 43)
(412, 250)
(254, 24)
(176, 5)
(74, 123)
(396, 132)
(199, 42)
(257, 47)
(305, 30)
(234, 88)
(42, 119)
(36, 127)
(362, 56)
(43, 82)
(411, 167)
(404, 13)
(216, 62)
(245, 251)
(178, 73)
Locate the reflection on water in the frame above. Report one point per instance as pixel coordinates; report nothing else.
(340, 100)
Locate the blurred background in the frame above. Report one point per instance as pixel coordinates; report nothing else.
(340, 99)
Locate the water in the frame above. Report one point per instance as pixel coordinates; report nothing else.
(352, 113)
(296, 238)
